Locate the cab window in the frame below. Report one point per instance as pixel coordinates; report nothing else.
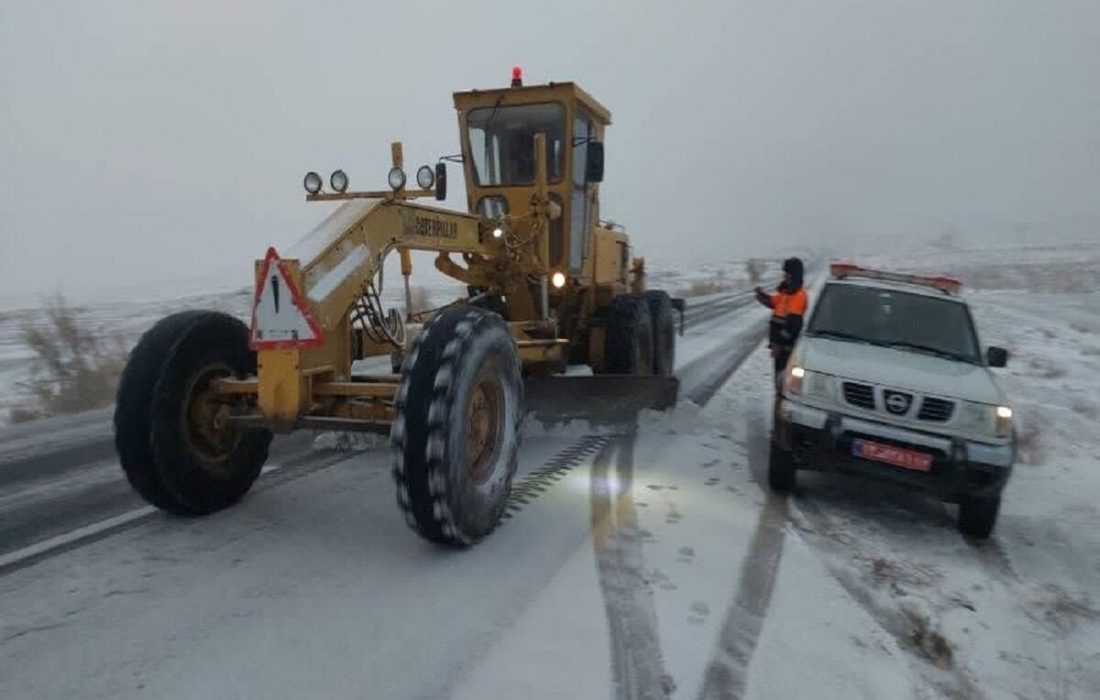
(502, 142)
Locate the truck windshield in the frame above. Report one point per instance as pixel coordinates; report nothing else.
(892, 318)
(502, 142)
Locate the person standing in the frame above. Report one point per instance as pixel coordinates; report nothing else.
(788, 305)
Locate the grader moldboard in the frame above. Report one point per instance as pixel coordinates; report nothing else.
(549, 286)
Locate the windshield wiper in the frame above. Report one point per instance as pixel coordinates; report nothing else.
(939, 352)
(840, 335)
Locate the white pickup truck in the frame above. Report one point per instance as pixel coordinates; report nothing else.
(889, 380)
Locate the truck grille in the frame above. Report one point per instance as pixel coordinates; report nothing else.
(936, 410)
(861, 395)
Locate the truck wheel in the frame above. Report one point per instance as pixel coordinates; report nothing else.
(629, 345)
(978, 515)
(664, 332)
(172, 441)
(781, 469)
(455, 436)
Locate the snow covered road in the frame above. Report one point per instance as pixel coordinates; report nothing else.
(647, 563)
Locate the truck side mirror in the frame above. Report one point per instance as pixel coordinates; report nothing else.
(593, 166)
(997, 357)
(440, 181)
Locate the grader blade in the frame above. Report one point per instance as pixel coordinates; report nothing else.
(602, 399)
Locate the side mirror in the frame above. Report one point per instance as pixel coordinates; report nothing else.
(440, 181)
(996, 357)
(593, 166)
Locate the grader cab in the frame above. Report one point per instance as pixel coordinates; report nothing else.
(549, 287)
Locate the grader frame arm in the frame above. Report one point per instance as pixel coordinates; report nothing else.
(334, 266)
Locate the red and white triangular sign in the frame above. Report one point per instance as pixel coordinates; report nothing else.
(280, 315)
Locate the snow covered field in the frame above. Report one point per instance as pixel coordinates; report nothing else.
(646, 564)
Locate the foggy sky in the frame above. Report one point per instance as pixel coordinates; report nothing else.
(145, 144)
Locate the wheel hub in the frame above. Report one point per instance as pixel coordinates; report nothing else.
(208, 431)
(483, 428)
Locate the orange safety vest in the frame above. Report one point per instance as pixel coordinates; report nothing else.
(785, 304)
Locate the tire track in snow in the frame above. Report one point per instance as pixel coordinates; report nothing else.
(538, 481)
(952, 677)
(727, 672)
(637, 662)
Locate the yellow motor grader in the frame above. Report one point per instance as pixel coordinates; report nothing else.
(549, 286)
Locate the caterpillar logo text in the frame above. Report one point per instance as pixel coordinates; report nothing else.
(436, 228)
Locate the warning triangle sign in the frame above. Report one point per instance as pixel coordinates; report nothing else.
(280, 315)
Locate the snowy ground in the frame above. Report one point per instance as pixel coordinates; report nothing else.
(652, 563)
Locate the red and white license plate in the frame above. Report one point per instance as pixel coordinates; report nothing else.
(889, 454)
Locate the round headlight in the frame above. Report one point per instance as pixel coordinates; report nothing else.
(498, 232)
(396, 178)
(339, 181)
(313, 182)
(558, 280)
(425, 177)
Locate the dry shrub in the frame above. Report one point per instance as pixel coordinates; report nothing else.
(73, 369)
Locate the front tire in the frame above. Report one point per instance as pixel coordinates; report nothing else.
(977, 516)
(781, 470)
(455, 436)
(170, 432)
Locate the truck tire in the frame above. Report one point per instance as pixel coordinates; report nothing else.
(978, 515)
(456, 432)
(781, 470)
(173, 447)
(664, 332)
(629, 345)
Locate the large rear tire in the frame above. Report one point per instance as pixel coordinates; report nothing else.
(170, 432)
(629, 345)
(664, 332)
(456, 433)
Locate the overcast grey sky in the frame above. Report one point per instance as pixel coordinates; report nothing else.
(147, 143)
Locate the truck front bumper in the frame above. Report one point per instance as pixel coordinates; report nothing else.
(821, 440)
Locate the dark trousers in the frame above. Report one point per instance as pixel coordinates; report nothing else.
(781, 354)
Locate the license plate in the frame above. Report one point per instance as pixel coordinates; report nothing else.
(896, 456)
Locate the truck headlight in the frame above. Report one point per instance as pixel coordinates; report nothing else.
(1004, 421)
(796, 378)
(985, 419)
(813, 385)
